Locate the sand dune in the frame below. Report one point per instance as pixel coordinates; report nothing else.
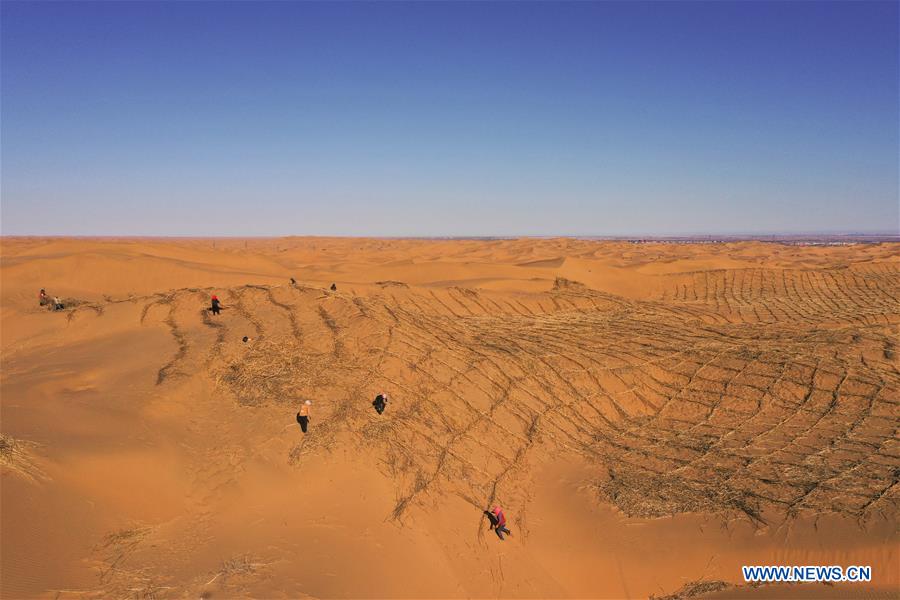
(651, 417)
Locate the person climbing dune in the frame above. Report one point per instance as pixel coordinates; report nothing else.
(303, 415)
(216, 306)
(498, 521)
(380, 402)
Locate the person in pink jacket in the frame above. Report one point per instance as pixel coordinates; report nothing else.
(498, 521)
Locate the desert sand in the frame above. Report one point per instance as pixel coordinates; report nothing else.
(650, 416)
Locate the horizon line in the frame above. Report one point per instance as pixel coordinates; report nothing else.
(634, 236)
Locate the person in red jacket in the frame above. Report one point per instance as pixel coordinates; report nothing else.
(498, 521)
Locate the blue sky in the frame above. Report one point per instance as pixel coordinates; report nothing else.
(606, 118)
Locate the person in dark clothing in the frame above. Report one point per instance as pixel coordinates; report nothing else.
(43, 298)
(333, 287)
(498, 521)
(216, 307)
(57, 303)
(293, 281)
(380, 402)
(303, 415)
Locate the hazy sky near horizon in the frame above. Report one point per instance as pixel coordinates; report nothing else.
(403, 118)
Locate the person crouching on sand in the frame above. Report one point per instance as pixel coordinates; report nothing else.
(380, 402)
(216, 307)
(303, 415)
(498, 521)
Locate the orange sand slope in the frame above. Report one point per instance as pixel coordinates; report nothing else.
(651, 417)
